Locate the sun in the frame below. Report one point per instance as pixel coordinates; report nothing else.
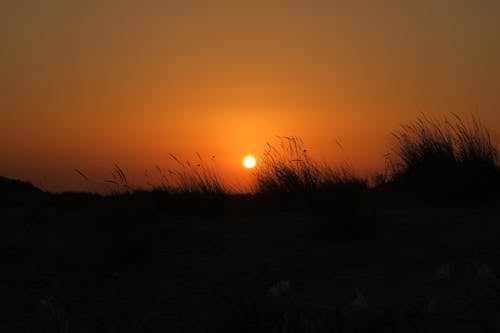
(249, 162)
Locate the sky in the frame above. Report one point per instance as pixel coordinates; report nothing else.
(86, 84)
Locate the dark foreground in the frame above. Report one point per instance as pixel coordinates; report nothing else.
(80, 263)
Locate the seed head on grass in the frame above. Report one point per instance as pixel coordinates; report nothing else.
(119, 180)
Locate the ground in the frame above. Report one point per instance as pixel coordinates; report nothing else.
(79, 263)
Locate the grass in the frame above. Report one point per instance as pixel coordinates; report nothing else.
(286, 177)
(119, 180)
(287, 170)
(447, 159)
(448, 156)
(198, 178)
(314, 249)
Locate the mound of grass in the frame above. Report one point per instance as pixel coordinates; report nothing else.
(287, 169)
(448, 156)
(286, 173)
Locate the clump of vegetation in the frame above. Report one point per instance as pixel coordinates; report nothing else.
(287, 177)
(187, 178)
(287, 169)
(52, 317)
(198, 178)
(450, 155)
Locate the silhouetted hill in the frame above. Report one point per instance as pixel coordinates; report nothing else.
(13, 190)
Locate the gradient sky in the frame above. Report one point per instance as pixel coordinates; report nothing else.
(86, 83)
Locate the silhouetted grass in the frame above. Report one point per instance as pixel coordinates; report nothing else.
(287, 169)
(449, 155)
(288, 179)
(198, 178)
(187, 188)
(119, 180)
(187, 178)
(449, 158)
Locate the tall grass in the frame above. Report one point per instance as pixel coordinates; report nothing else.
(118, 179)
(184, 178)
(286, 168)
(198, 178)
(448, 154)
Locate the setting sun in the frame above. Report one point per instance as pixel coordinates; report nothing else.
(249, 162)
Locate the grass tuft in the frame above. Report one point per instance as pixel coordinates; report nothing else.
(287, 169)
(198, 178)
(448, 155)
(288, 177)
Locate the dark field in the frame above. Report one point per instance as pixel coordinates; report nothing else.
(223, 273)
(133, 263)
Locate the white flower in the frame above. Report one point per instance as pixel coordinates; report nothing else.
(485, 272)
(432, 306)
(274, 291)
(280, 288)
(357, 304)
(443, 272)
(285, 286)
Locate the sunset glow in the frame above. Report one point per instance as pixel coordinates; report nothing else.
(86, 85)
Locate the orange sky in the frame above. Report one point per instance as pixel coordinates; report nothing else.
(86, 83)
